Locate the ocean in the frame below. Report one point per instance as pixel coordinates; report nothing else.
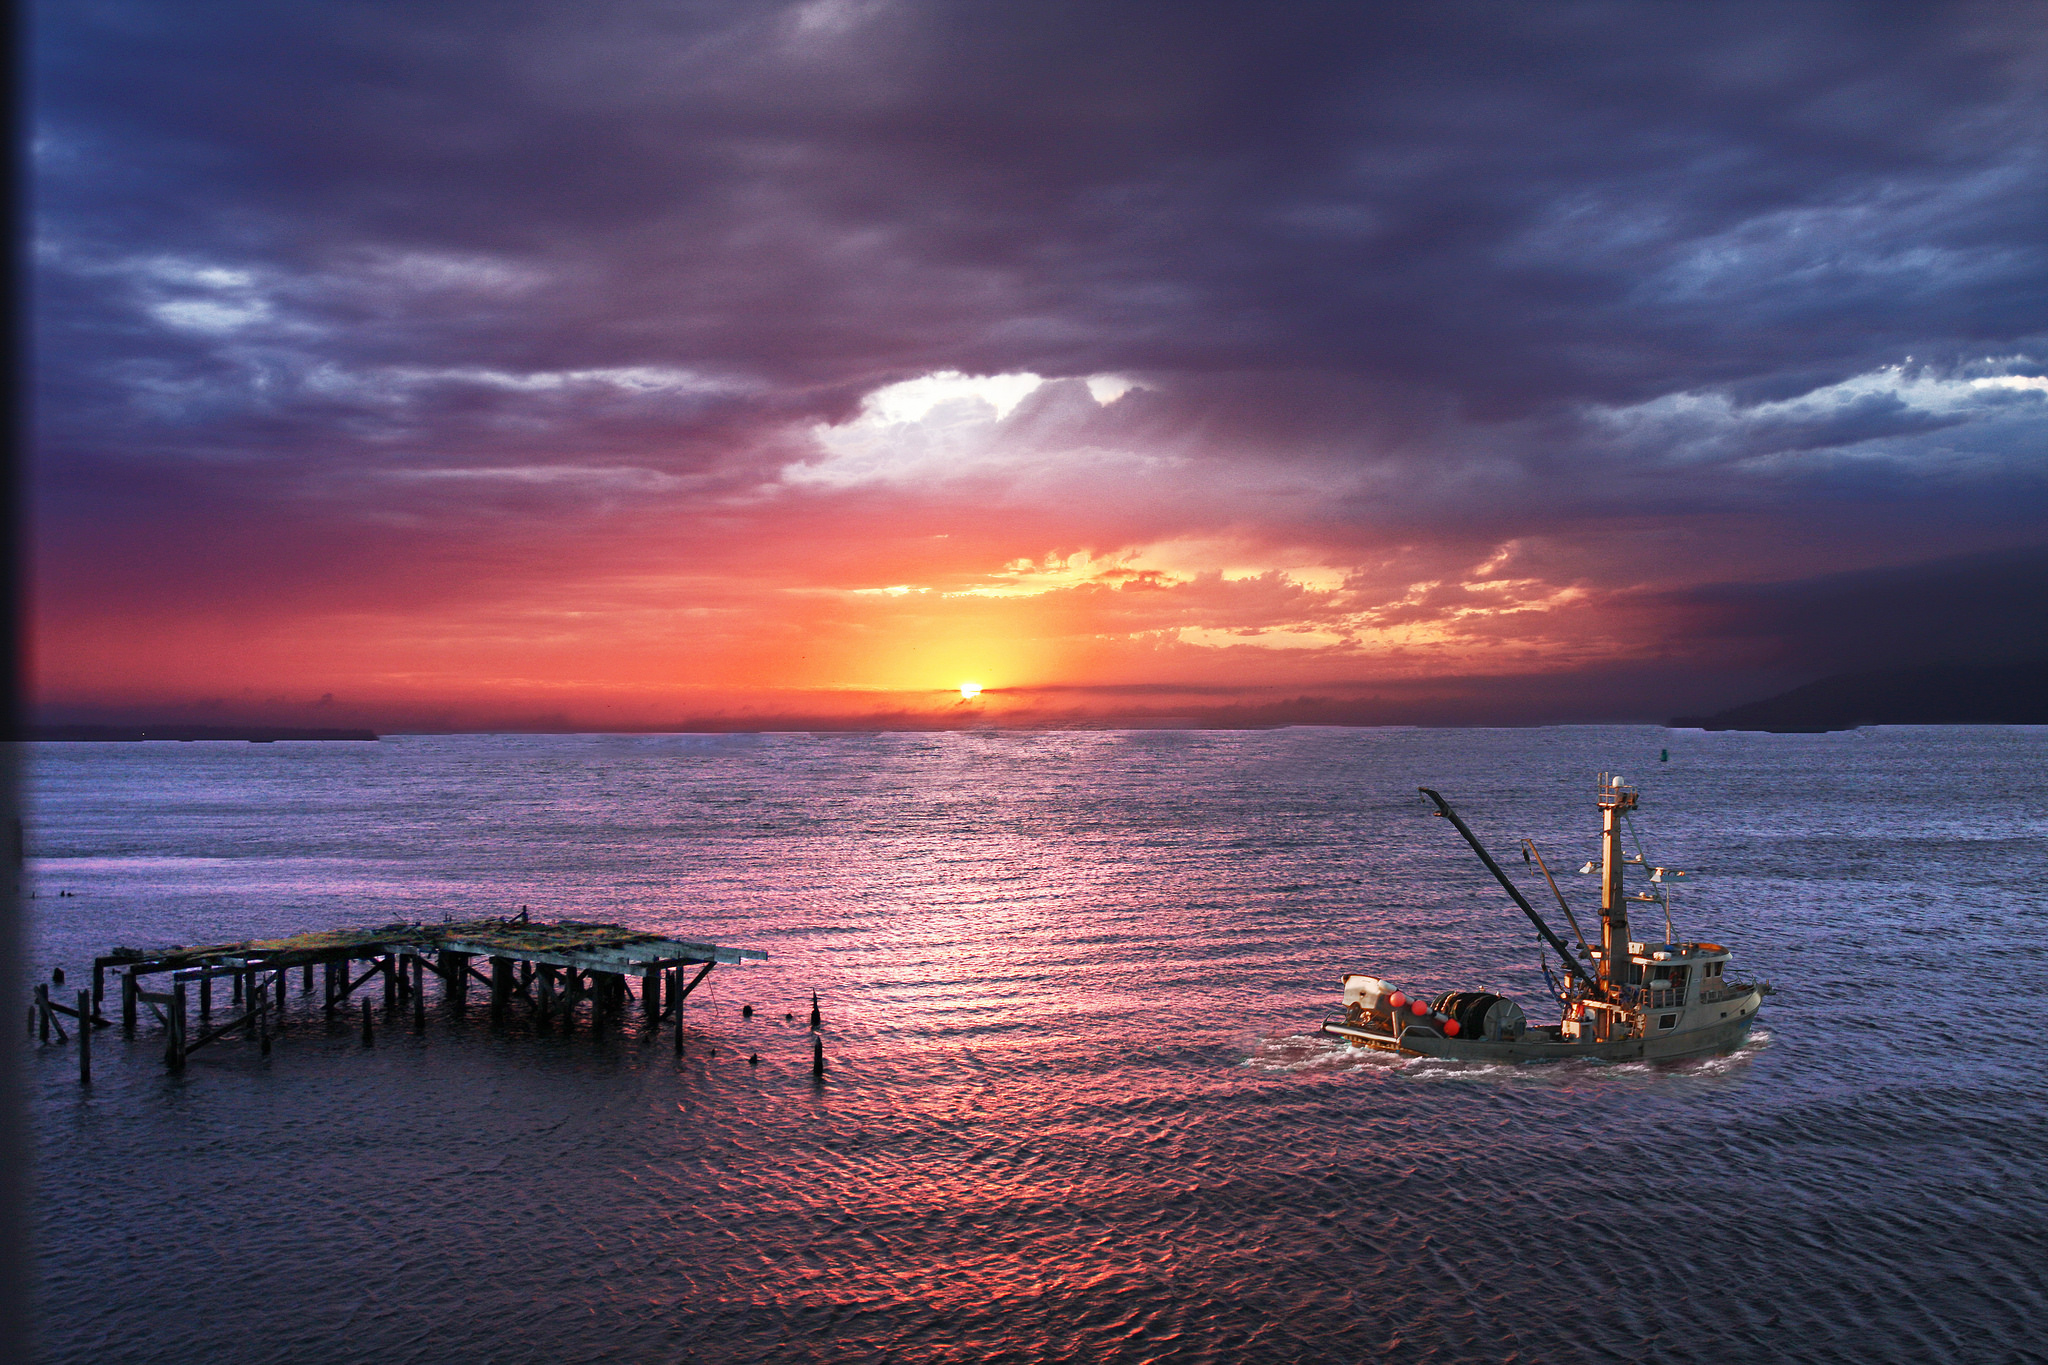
(1076, 1107)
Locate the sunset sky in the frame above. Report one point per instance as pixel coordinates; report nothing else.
(746, 364)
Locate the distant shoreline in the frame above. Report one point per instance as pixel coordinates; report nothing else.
(1949, 694)
(253, 734)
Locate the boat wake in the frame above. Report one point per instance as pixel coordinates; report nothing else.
(1297, 1052)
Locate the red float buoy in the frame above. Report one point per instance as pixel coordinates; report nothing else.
(1417, 1008)
(1397, 1000)
(1450, 1028)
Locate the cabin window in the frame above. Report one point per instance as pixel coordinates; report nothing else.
(1667, 1021)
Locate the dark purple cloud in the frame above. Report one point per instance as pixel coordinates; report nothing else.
(1668, 295)
(1977, 607)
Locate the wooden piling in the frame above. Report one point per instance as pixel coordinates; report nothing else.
(682, 1007)
(99, 983)
(419, 994)
(455, 971)
(306, 983)
(817, 1056)
(174, 1034)
(501, 986)
(817, 1022)
(42, 1013)
(259, 1009)
(369, 1030)
(235, 977)
(205, 994)
(327, 987)
(544, 999)
(280, 974)
(650, 996)
(85, 1037)
(387, 966)
(128, 989)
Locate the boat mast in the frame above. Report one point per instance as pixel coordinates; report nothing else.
(1614, 800)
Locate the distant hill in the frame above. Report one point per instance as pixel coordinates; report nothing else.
(1945, 694)
(254, 734)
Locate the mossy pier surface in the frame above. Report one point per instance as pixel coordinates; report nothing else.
(552, 966)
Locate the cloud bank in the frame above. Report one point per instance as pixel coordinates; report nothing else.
(646, 363)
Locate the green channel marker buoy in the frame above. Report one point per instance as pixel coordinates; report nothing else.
(1663, 755)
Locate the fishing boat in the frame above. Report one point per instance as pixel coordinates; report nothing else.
(1623, 1000)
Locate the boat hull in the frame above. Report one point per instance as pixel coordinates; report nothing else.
(1544, 1043)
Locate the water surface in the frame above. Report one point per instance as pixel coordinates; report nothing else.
(1077, 1108)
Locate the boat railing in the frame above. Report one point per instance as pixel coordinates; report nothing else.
(1611, 791)
(1372, 1031)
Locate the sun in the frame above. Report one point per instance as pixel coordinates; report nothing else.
(969, 691)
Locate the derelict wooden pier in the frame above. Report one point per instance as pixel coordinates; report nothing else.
(548, 970)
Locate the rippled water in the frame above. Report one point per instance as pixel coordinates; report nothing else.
(1077, 1108)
